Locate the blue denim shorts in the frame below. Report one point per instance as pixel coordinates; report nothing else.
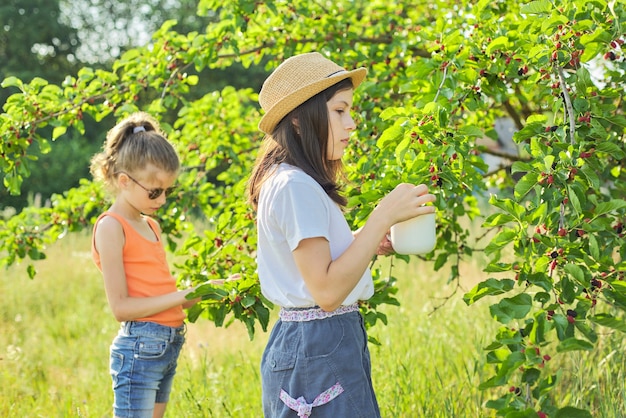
(142, 365)
(319, 367)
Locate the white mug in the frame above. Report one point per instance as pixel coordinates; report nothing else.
(414, 236)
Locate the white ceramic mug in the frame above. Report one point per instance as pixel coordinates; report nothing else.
(414, 236)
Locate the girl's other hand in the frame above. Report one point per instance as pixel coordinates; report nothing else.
(385, 247)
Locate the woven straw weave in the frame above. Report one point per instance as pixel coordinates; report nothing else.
(295, 81)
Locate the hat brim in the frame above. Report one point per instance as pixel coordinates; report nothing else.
(285, 105)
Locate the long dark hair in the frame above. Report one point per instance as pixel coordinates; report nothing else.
(305, 147)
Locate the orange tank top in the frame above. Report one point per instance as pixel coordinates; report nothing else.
(146, 268)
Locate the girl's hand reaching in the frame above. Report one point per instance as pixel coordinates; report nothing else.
(214, 282)
(218, 282)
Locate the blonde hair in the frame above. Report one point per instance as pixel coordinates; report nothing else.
(131, 145)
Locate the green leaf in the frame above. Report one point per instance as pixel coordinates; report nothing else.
(548, 160)
(511, 364)
(31, 271)
(401, 149)
(618, 120)
(594, 249)
(576, 272)
(390, 136)
(528, 131)
(500, 43)
(540, 279)
(192, 80)
(501, 239)
(617, 292)
(194, 313)
(610, 206)
(581, 105)
(571, 412)
(391, 112)
(264, 316)
(58, 131)
(573, 198)
(591, 176)
(536, 7)
(497, 267)
(573, 344)
(526, 413)
(609, 321)
(531, 375)
(440, 261)
(489, 287)
(521, 167)
(508, 309)
(471, 131)
(537, 333)
(509, 206)
(248, 301)
(525, 185)
(12, 81)
(497, 219)
(431, 108)
(586, 330)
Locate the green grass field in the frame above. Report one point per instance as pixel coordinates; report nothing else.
(56, 330)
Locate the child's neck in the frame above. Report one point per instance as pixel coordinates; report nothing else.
(126, 210)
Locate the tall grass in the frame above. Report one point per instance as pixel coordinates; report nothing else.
(56, 329)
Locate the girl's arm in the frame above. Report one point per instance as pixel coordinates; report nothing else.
(109, 240)
(384, 247)
(331, 281)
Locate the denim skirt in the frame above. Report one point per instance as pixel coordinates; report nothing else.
(318, 368)
(143, 363)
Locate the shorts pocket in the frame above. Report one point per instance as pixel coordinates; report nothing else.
(150, 348)
(116, 364)
(276, 370)
(278, 361)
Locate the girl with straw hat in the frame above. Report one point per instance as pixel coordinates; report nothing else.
(310, 263)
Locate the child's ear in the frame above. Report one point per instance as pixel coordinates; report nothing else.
(122, 180)
(296, 124)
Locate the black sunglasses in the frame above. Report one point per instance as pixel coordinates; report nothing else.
(153, 193)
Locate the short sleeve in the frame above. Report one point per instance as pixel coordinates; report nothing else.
(300, 210)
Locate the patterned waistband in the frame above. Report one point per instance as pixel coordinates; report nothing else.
(311, 314)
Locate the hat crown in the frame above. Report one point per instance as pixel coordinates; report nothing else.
(293, 74)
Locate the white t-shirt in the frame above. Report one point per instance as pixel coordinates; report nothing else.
(292, 207)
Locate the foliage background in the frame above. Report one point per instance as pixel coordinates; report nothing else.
(429, 362)
(440, 75)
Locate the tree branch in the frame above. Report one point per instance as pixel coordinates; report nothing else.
(568, 105)
(443, 80)
(512, 157)
(513, 114)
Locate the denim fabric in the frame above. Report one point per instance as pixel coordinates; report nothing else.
(305, 359)
(143, 365)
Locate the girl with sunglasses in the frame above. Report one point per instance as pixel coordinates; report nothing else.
(139, 166)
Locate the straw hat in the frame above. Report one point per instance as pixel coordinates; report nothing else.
(295, 81)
